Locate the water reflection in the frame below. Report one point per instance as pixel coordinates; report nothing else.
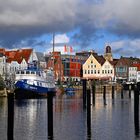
(70, 120)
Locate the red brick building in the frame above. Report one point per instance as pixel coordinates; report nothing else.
(66, 66)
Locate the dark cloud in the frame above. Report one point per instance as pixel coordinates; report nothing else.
(27, 20)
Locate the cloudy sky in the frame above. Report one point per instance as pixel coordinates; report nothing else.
(83, 24)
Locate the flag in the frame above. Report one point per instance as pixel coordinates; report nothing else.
(65, 48)
(71, 49)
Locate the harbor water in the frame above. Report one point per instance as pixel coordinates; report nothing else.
(113, 121)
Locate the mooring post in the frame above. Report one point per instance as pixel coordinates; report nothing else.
(104, 95)
(10, 122)
(122, 93)
(130, 87)
(88, 113)
(50, 114)
(112, 91)
(93, 92)
(84, 92)
(136, 110)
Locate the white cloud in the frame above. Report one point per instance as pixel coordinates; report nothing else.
(61, 38)
(126, 47)
(60, 41)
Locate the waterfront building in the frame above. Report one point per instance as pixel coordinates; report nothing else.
(125, 68)
(66, 66)
(96, 67)
(92, 67)
(122, 69)
(54, 62)
(16, 59)
(133, 73)
(72, 67)
(2, 65)
(108, 71)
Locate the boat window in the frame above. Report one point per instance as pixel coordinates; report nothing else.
(27, 72)
(32, 72)
(22, 72)
(17, 72)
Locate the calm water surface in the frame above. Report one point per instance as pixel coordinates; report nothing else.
(114, 121)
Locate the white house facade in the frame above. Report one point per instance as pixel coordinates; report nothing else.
(96, 67)
(132, 74)
(107, 71)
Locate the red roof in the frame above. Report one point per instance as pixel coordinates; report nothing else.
(136, 65)
(18, 55)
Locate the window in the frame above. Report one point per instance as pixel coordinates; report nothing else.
(22, 72)
(103, 71)
(85, 71)
(91, 71)
(27, 72)
(88, 71)
(32, 72)
(108, 71)
(95, 71)
(91, 61)
(98, 71)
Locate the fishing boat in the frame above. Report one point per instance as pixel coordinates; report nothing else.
(34, 81)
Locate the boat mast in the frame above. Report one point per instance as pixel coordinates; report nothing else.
(53, 49)
(53, 42)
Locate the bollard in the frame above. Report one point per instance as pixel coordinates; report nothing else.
(10, 122)
(84, 92)
(50, 114)
(130, 87)
(136, 111)
(104, 95)
(112, 92)
(122, 93)
(88, 113)
(93, 94)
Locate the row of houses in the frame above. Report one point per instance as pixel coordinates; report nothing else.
(85, 64)
(18, 59)
(125, 69)
(90, 65)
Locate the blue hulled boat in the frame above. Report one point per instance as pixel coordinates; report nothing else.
(35, 81)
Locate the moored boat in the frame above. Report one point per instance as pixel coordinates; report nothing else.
(70, 90)
(34, 81)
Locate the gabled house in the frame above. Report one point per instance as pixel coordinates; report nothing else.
(17, 59)
(92, 67)
(107, 71)
(96, 67)
(122, 69)
(132, 76)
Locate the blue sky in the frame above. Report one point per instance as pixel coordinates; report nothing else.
(82, 24)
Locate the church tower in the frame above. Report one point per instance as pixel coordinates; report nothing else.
(108, 53)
